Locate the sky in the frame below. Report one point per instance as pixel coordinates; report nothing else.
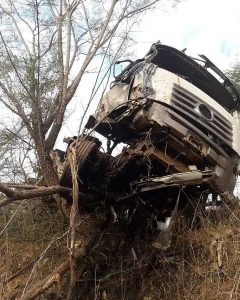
(210, 27)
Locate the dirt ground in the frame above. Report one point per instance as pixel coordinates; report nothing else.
(202, 262)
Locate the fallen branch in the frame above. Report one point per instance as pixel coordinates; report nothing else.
(40, 257)
(22, 186)
(47, 282)
(6, 190)
(43, 285)
(19, 272)
(13, 195)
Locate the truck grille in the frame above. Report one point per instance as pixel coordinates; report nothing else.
(187, 105)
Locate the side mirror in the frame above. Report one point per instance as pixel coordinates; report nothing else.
(120, 67)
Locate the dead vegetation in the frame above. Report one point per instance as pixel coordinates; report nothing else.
(113, 262)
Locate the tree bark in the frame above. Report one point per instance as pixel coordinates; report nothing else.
(29, 194)
(47, 169)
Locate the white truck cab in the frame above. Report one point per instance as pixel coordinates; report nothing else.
(183, 104)
(180, 127)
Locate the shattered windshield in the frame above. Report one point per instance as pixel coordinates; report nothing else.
(177, 62)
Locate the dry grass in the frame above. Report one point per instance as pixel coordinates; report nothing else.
(23, 241)
(207, 262)
(202, 263)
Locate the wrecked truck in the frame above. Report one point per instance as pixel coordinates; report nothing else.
(176, 119)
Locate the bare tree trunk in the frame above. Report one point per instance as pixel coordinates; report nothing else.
(50, 176)
(47, 168)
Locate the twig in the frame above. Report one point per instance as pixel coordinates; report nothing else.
(13, 215)
(40, 258)
(41, 286)
(47, 282)
(19, 272)
(19, 137)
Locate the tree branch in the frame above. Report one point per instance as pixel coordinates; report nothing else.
(73, 221)
(13, 195)
(14, 66)
(17, 27)
(49, 45)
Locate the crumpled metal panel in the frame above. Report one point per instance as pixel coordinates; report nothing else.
(116, 96)
(186, 178)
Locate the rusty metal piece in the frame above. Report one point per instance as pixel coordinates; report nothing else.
(168, 161)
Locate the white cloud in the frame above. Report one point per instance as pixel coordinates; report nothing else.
(209, 27)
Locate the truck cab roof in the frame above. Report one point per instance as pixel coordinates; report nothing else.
(197, 71)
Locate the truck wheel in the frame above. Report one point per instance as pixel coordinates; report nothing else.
(85, 150)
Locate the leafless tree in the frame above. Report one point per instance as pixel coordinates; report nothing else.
(46, 48)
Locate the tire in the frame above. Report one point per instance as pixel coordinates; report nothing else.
(85, 150)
